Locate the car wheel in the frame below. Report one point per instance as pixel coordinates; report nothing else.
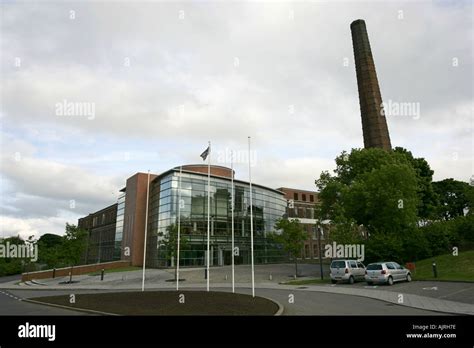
(351, 280)
(408, 277)
(390, 280)
(333, 281)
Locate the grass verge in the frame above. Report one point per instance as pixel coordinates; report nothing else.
(450, 268)
(308, 281)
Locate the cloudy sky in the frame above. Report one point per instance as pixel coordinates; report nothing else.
(160, 79)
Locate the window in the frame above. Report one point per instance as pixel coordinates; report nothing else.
(374, 267)
(311, 198)
(353, 264)
(301, 213)
(303, 196)
(295, 196)
(338, 264)
(360, 265)
(390, 266)
(306, 251)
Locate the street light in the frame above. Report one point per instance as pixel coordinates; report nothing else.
(320, 256)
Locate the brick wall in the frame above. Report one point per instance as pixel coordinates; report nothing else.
(77, 270)
(215, 170)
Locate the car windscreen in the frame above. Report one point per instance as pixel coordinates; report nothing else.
(338, 264)
(374, 267)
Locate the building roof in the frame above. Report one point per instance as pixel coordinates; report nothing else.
(297, 190)
(176, 169)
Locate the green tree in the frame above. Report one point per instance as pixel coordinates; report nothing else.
(372, 187)
(49, 249)
(9, 266)
(384, 246)
(291, 236)
(73, 245)
(454, 197)
(347, 232)
(168, 242)
(428, 198)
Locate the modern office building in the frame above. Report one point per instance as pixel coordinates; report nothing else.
(171, 194)
(118, 231)
(101, 226)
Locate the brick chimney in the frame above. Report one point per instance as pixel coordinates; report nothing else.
(374, 124)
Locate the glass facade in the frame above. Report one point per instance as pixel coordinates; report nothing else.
(119, 226)
(268, 206)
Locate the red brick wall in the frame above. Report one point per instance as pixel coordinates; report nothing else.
(77, 270)
(289, 194)
(134, 219)
(215, 170)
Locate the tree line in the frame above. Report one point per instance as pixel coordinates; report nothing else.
(54, 251)
(388, 200)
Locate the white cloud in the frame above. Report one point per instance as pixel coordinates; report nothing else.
(12, 226)
(182, 88)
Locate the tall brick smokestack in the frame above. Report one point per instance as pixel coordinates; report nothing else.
(374, 124)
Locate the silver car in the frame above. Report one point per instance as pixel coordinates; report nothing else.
(386, 273)
(347, 271)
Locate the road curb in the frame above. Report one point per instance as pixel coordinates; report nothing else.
(280, 310)
(69, 308)
(443, 280)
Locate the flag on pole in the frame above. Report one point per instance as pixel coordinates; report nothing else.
(206, 153)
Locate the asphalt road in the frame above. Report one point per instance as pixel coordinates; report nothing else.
(11, 304)
(10, 278)
(305, 303)
(452, 291)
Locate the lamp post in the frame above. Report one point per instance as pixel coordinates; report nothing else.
(320, 255)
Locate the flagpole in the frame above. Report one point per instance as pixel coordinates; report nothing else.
(146, 229)
(208, 210)
(179, 226)
(232, 214)
(251, 226)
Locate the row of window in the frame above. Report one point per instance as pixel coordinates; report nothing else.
(120, 219)
(303, 197)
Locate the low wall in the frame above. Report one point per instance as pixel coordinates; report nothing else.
(77, 270)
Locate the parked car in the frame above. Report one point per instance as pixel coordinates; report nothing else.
(386, 273)
(347, 271)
